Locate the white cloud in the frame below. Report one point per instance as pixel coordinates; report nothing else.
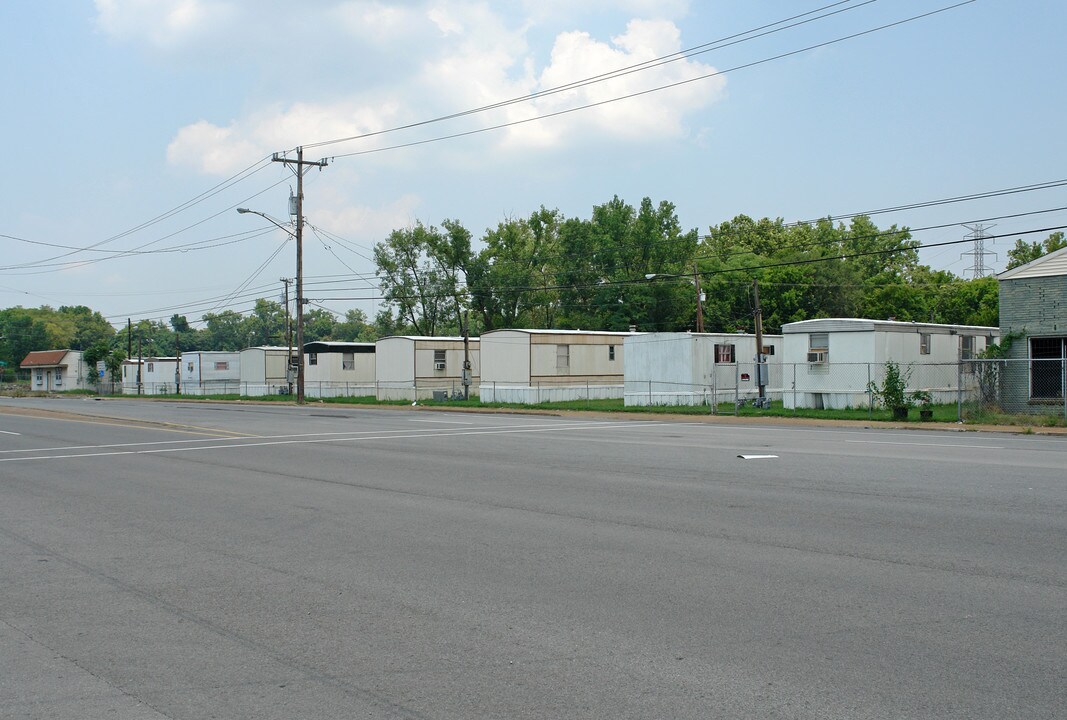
(217, 150)
(471, 56)
(163, 23)
(364, 224)
(576, 56)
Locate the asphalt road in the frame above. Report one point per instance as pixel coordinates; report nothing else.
(165, 560)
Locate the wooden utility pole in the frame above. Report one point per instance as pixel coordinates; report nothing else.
(760, 365)
(301, 168)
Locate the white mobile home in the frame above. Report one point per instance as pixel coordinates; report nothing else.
(264, 371)
(830, 362)
(57, 370)
(210, 372)
(532, 366)
(411, 367)
(158, 376)
(699, 368)
(339, 369)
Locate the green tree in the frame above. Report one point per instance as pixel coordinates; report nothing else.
(319, 324)
(89, 327)
(225, 331)
(354, 328)
(1025, 252)
(422, 271)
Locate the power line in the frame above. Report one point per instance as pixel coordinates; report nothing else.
(659, 88)
(703, 48)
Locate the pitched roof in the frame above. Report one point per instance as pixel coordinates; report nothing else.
(1051, 265)
(44, 358)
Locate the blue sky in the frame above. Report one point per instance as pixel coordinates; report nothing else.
(120, 111)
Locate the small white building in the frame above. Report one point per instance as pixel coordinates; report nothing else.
(412, 367)
(339, 369)
(264, 370)
(830, 362)
(210, 372)
(699, 368)
(158, 376)
(534, 366)
(57, 370)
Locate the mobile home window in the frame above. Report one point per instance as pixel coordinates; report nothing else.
(348, 361)
(924, 343)
(724, 353)
(768, 349)
(151, 367)
(563, 357)
(189, 367)
(611, 352)
(966, 347)
(222, 365)
(819, 342)
(313, 358)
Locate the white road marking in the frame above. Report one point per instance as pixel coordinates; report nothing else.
(237, 438)
(8, 432)
(952, 445)
(756, 457)
(448, 422)
(320, 440)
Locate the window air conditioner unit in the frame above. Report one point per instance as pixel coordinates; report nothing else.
(438, 366)
(817, 357)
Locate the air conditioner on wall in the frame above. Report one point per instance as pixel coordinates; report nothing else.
(817, 356)
(438, 366)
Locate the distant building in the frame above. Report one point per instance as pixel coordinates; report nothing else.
(699, 368)
(532, 366)
(1033, 323)
(158, 376)
(339, 369)
(410, 367)
(830, 362)
(210, 372)
(57, 370)
(264, 370)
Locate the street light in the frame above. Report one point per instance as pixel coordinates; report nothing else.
(299, 301)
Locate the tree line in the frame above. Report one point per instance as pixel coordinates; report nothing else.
(621, 267)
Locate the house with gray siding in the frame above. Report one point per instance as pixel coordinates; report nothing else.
(1033, 324)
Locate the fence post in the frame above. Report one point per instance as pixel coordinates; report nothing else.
(737, 386)
(1063, 385)
(870, 394)
(959, 391)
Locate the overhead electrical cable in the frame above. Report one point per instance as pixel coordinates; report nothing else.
(659, 88)
(718, 44)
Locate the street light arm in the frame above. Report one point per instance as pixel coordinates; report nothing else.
(266, 217)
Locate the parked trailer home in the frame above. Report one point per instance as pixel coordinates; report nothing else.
(263, 371)
(339, 369)
(533, 366)
(158, 376)
(211, 372)
(830, 362)
(57, 370)
(412, 367)
(699, 368)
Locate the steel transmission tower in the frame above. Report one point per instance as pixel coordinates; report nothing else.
(979, 236)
